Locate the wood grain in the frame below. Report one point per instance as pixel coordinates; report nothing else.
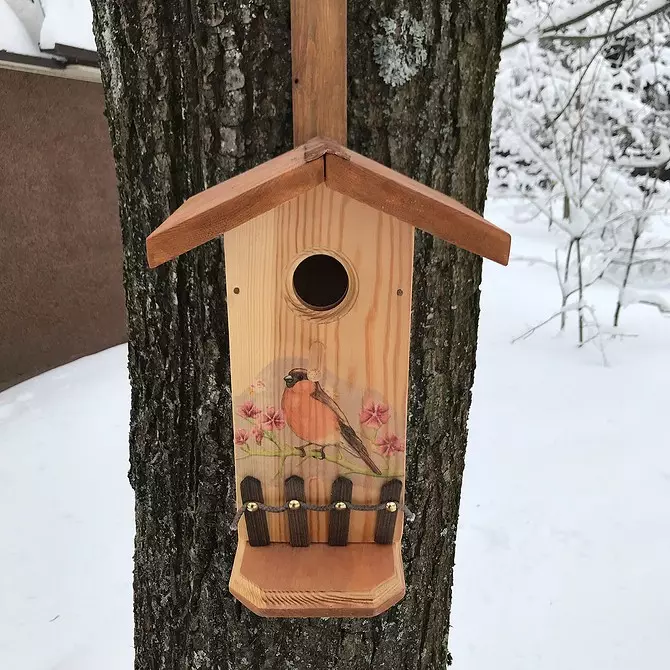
(410, 201)
(223, 207)
(256, 521)
(363, 352)
(338, 522)
(361, 580)
(319, 59)
(294, 489)
(230, 204)
(386, 520)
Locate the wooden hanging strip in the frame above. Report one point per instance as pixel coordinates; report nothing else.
(385, 527)
(338, 520)
(255, 518)
(294, 491)
(319, 56)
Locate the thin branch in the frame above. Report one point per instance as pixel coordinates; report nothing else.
(586, 69)
(565, 24)
(530, 331)
(608, 33)
(598, 335)
(533, 260)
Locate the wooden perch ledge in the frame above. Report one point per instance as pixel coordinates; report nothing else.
(234, 202)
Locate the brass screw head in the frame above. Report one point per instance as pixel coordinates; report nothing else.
(294, 504)
(340, 506)
(252, 507)
(391, 506)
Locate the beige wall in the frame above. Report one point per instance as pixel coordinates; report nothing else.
(61, 295)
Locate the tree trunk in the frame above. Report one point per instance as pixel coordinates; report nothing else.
(197, 92)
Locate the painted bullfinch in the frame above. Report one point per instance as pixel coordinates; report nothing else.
(316, 418)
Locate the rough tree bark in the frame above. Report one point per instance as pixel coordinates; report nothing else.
(197, 91)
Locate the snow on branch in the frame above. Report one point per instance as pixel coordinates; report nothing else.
(634, 297)
(581, 133)
(663, 6)
(550, 26)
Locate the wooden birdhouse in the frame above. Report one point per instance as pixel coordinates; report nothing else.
(318, 259)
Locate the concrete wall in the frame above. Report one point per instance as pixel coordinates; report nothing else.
(61, 295)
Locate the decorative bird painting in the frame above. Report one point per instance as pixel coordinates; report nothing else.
(318, 420)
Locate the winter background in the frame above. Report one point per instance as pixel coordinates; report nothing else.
(564, 536)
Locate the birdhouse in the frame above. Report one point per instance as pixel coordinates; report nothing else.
(318, 262)
(318, 255)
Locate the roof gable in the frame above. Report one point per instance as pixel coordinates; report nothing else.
(230, 204)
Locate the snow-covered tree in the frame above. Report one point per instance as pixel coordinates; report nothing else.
(581, 130)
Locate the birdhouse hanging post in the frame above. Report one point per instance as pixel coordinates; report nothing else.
(319, 250)
(319, 68)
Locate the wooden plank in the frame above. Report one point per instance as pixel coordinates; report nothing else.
(43, 62)
(37, 66)
(361, 580)
(294, 492)
(75, 55)
(319, 55)
(233, 202)
(410, 201)
(386, 518)
(320, 146)
(338, 523)
(359, 351)
(255, 520)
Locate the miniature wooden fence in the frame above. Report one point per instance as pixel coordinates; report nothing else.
(296, 507)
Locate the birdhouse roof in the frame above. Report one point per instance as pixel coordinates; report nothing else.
(234, 202)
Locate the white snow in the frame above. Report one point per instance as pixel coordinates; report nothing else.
(66, 519)
(529, 21)
(68, 22)
(564, 536)
(27, 26)
(29, 12)
(14, 36)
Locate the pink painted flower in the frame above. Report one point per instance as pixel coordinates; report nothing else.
(272, 419)
(374, 414)
(389, 444)
(258, 385)
(241, 436)
(258, 434)
(248, 410)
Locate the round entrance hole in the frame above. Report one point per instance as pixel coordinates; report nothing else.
(321, 282)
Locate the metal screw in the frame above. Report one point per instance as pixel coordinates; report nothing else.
(399, 292)
(236, 290)
(252, 507)
(340, 506)
(294, 504)
(391, 506)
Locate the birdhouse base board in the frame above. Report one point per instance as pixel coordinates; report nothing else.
(278, 580)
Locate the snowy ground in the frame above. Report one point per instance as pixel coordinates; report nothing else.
(564, 538)
(66, 519)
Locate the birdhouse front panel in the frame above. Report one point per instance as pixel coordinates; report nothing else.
(319, 300)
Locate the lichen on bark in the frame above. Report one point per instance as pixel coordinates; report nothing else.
(199, 91)
(399, 49)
